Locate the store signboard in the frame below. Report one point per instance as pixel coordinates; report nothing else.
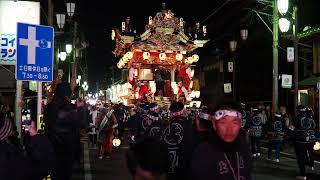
(11, 13)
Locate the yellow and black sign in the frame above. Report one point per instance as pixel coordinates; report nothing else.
(40, 123)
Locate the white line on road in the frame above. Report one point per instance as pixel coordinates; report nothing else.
(86, 163)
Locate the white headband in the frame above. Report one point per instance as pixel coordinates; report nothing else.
(204, 116)
(179, 113)
(154, 108)
(223, 112)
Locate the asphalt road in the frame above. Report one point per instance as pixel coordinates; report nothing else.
(115, 168)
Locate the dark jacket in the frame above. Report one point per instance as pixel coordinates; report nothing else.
(178, 138)
(62, 124)
(14, 165)
(255, 125)
(276, 129)
(304, 131)
(216, 159)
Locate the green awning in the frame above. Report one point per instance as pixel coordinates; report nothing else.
(310, 81)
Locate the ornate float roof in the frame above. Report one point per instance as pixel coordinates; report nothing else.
(164, 33)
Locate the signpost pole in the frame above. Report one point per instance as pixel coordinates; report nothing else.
(39, 101)
(318, 88)
(17, 114)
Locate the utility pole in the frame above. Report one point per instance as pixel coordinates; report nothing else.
(275, 72)
(74, 62)
(296, 54)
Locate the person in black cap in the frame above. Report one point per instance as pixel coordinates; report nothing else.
(276, 130)
(225, 155)
(148, 160)
(203, 123)
(255, 131)
(155, 120)
(150, 122)
(14, 165)
(62, 123)
(304, 138)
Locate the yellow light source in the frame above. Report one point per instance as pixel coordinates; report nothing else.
(316, 146)
(125, 59)
(146, 55)
(113, 34)
(179, 57)
(195, 58)
(116, 142)
(162, 56)
(129, 55)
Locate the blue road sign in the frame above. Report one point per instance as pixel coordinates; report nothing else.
(34, 53)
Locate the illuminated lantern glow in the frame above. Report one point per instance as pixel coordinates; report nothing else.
(175, 88)
(191, 85)
(125, 59)
(181, 22)
(179, 57)
(316, 146)
(146, 55)
(119, 65)
(113, 34)
(204, 29)
(189, 60)
(197, 94)
(233, 46)
(116, 142)
(162, 56)
(195, 58)
(284, 24)
(244, 34)
(129, 55)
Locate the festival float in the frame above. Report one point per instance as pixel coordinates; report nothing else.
(159, 62)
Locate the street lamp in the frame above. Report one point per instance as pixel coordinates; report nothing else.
(233, 45)
(284, 24)
(70, 8)
(61, 19)
(244, 34)
(68, 48)
(63, 56)
(85, 86)
(283, 6)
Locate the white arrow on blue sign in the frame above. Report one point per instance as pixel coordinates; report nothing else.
(34, 53)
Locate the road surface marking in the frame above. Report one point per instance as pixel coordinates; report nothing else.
(86, 163)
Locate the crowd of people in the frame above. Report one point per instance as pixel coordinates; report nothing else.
(166, 143)
(221, 142)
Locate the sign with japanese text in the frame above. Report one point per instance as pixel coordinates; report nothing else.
(290, 54)
(227, 88)
(10, 14)
(286, 81)
(34, 53)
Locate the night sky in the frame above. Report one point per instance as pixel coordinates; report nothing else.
(97, 20)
